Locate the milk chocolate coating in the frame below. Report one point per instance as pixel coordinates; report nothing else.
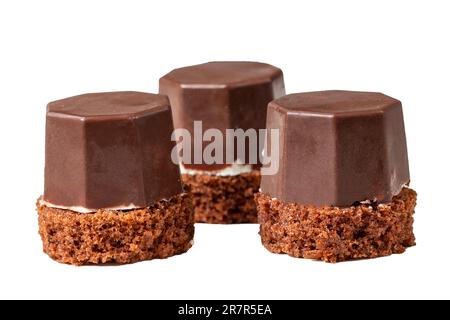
(107, 150)
(224, 95)
(337, 148)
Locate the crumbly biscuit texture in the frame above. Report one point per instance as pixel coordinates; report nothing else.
(334, 234)
(107, 236)
(224, 199)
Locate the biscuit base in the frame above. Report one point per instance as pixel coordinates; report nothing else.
(113, 236)
(336, 234)
(224, 199)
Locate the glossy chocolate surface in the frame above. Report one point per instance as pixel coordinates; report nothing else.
(337, 148)
(223, 95)
(109, 150)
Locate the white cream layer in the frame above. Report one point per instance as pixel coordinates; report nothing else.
(86, 210)
(233, 170)
(364, 201)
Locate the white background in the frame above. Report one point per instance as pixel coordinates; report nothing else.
(54, 49)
